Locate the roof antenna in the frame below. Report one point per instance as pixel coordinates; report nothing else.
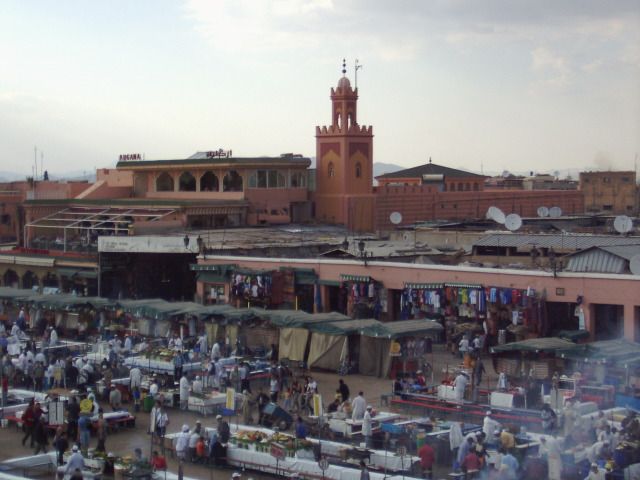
(357, 67)
(344, 67)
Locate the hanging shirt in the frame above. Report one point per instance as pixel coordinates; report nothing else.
(493, 295)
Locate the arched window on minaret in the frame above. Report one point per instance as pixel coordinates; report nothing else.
(358, 170)
(339, 122)
(331, 170)
(349, 120)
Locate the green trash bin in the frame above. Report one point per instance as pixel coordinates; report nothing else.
(147, 404)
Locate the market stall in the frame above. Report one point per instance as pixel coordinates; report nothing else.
(530, 365)
(402, 344)
(330, 342)
(294, 333)
(250, 447)
(362, 296)
(609, 372)
(160, 360)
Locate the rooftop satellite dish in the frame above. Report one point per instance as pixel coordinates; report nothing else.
(495, 214)
(634, 264)
(543, 212)
(555, 212)
(513, 222)
(623, 224)
(395, 218)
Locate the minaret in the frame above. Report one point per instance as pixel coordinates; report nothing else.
(344, 163)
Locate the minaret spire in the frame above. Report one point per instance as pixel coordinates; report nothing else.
(344, 67)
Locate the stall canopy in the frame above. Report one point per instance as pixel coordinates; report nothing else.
(298, 318)
(606, 351)
(536, 345)
(12, 293)
(403, 328)
(294, 331)
(65, 302)
(329, 342)
(347, 327)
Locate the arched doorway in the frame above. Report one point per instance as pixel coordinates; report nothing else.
(10, 279)
(164, 182)
(187, 182)
(29, 280)
(209, 182)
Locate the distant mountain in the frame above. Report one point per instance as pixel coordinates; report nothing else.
(382, 168)
(77, 175)
(11, 176)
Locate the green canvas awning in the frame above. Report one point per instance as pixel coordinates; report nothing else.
(346, 327)
(299, 319)
(11, 293)
(306, 278)
(573, 335)
(330, 283)
(605, 351)
(404, 328)
(211, 277)
(538, 345)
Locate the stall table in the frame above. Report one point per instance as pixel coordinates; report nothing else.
(349, 427)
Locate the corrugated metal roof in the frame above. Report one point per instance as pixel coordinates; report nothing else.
(603, 259)
(624, 251)
(596, 260)
(574, 241)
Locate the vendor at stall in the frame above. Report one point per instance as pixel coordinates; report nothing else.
(215, 351)
(489, 427)
(135, 378)
(222, 427)
(344, 390)
(358, 407)
(460, 385)
(197, 386)
(184, 392)
(367, 427)
(75, 462)
(182, 442)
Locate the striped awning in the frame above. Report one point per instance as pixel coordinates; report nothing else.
(463, 285)
(424, 286)
(354, 278)
(195, 267)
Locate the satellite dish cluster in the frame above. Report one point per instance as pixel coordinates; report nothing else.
(512, 222)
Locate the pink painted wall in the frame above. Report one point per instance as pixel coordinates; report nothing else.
(115, 177)
(595, 288)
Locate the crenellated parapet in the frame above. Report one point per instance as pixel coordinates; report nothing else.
(352, 130)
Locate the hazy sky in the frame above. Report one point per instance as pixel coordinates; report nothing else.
(512, 84)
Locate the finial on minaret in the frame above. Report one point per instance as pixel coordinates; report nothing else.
(429, 159)
(344, 67)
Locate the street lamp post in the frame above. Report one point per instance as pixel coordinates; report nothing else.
(362, 253)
